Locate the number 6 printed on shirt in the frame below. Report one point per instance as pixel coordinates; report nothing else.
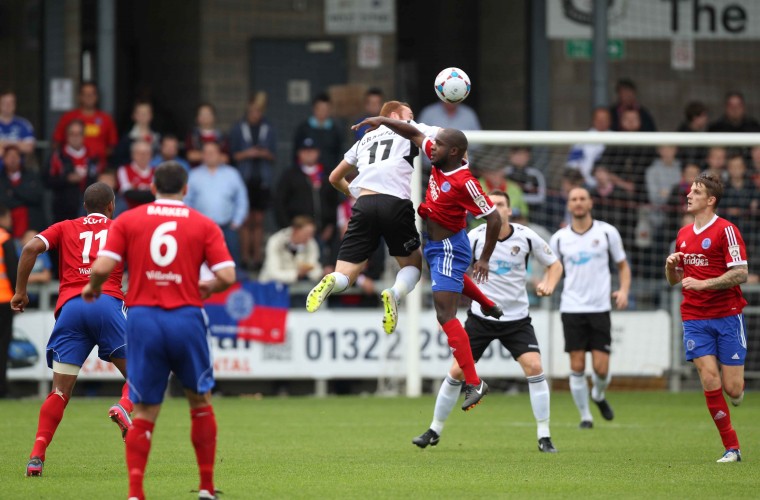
(161, 239)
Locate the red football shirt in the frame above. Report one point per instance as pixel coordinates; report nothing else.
(78, 241)
(709, 253)
(451, 195)
(164, 244)
(99, 131)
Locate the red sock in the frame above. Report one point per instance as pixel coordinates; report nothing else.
(51, 414)
(460, 347)
(125, 402)
(203, 435)
(718, 408)
(138, 448)
(472, 291)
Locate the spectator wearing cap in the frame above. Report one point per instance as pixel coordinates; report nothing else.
(627, 98)
(322, 128)
(217, 191)
(735, 118)
(14, 130)
(304, 190)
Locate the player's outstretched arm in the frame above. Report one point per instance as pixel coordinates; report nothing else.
(548, 283)
(101, 269)
(402, 128)
(338, 177)
(480, 268)
(29, 255)
(672, 273)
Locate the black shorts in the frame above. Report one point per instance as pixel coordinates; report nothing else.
(258, 196)
(518, 337)
(587, 331)
(379, 215)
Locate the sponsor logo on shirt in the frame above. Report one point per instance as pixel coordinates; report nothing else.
(582, 258)
(706, 243)
(505, 267)
(515, 250)
(433, 188)
(695, 259)
(162, 278)
(85, 270)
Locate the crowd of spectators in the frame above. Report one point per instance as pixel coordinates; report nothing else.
(235, 179)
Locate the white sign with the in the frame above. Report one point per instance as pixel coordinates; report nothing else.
(657, 19)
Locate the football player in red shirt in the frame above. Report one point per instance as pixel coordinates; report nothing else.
(79, 327)
(710, 262)
(165, 243)
(452, 192)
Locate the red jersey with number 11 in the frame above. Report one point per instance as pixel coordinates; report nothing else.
(708, 253)
(164, 244)
(450, 195)
(78, 242)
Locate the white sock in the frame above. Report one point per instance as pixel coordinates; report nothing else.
(599, 385)
(445, 402)
(406, 278)
(538, 388)
(579, 389)
(341, 282)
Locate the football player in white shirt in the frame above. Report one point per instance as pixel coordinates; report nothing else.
(585, 248)
(507, 287)
(384, 209)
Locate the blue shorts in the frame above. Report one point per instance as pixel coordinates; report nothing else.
(724, 338)
(81, 326)
(160, 341)
(448, 260)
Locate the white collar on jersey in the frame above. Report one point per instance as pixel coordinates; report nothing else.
(96, 214)
(703, 228)
(452, 172)
(166, 201)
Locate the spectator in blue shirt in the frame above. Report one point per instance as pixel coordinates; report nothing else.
(169, 151)
(218, 191)
(14, 130)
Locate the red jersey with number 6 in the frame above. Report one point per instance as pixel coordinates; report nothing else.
(78, 242)
(708, 253)
(450, 195)
(164, 243)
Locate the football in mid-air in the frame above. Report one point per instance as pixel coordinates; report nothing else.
(452, 85)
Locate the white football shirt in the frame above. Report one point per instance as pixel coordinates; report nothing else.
(385, 161)
(586, 258)
(507, 269)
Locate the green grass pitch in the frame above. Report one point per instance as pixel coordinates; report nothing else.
(660, 445)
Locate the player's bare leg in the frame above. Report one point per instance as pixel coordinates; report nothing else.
(446, 308)
(733, 383)
(344, 276)
(709, 375)
(138, 446)
(538, 388)
(579, 387)
(601, 379)
(119, 412)
(203, 434)
(406, 279)
(51, 414)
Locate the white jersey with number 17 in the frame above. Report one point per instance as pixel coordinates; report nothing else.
(384, 160)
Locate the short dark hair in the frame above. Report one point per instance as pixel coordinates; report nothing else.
(499, 192)
(4, 92)
(733, 154)
(206, 105)
(300, 221)
(374, 91)
(97, 196)
(712, 185)
(75, 121)
(4, 210)
(89, 83)
(733, 93)
(321, 97)
(694, 109)
(172, 137)
(625, 83)
(170, 177)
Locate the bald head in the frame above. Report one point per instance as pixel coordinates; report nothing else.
(97, 198)
(454, 138)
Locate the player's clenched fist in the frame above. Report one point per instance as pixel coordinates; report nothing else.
(674, 259)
